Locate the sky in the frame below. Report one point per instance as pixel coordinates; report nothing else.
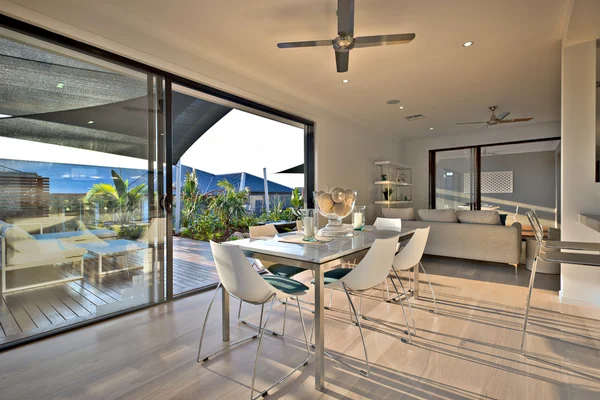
(239, 142)
(244, 142)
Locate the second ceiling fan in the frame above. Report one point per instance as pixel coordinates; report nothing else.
(346, 40)
(496, 119)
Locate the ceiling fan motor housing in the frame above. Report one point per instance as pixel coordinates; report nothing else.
(344, 42)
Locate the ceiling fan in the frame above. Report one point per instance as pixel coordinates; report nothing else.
(346, 40)
(495, 120)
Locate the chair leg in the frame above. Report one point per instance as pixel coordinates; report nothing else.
(206, 319)
(409, 309)
(260, 338)
(531, 281)
(330, 298)
(430, 287)
(275, 333)
(363, 372)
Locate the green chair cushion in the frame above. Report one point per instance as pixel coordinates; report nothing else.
(286, 271)
(285, 285)
(334, 275)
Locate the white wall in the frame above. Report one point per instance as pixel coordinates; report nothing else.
(416, 151)
(345, 151)
(580, 194)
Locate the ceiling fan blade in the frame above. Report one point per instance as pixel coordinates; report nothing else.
(506, 121)
(345, 14)
(383, 40)
(471, 123)
(308, 43)
(500, 117)
(342, 59)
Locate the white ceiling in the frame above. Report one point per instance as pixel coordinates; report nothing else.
(514, 63)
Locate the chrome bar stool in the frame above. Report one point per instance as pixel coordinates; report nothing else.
(550, 251)
(241, 280)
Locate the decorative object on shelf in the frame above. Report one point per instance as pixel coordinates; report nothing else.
(309, 224)
(402, 178)
(335, 205)
(387, 193)
(383, 177)
(358, 218)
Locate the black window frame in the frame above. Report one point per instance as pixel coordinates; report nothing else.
(170, 79)
(478, 147)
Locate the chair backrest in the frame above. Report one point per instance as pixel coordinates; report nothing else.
(412, 253)
(263, 230)
(538, 231)
(375, 267)
(388, 224)
(238, 276)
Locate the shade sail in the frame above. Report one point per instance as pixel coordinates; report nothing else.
(298, 169)
(58, 100)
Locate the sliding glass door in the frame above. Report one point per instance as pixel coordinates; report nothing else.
(456, 179)
(83, 204)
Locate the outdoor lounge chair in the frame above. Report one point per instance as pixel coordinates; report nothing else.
(20, 250)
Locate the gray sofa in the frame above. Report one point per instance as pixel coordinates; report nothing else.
(474, 235)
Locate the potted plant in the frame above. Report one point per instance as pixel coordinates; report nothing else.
(387, 193)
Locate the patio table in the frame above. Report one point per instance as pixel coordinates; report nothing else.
(318, 258)
(111, 248)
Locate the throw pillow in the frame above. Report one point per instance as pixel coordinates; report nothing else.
(438, 215)
(407, 214)
(479, 217)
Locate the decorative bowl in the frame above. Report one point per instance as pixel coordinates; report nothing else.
(335, 205)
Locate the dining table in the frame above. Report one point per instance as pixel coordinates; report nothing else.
(318, 257)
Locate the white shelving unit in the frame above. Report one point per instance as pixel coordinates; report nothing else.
(397, 180)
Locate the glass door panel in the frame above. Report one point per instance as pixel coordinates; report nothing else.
(456, 179)
(82, 229)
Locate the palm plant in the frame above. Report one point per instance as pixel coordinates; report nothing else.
(193, 201)
(229, 205)
(122, 200)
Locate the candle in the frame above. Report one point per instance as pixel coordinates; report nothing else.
(357, 220)
(309, 227)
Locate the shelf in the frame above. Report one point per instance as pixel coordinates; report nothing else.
(392, 202)
(393, 164)
(393, 183)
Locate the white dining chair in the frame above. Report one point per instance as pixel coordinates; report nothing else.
(368, 273)
(240, 279)
(286, 271)
(409, 258)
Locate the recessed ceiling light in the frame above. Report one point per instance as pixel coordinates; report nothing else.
(90, 122)
(467, 44)
(430, 129)
(60, 85)
(345, 81)
(401, 107)
(392, 102)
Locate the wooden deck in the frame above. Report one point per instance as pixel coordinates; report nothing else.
(30, 312)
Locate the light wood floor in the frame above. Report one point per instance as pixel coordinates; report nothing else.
(469, 350)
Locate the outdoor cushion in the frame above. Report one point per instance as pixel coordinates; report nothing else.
(76, 236)
(286, 271)
(17, 238)
(438, 215)
(334, 275)
(407, 214)
(286, 285)
(46, 251)
(487, 217)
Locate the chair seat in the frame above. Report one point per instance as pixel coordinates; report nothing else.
(334, 275)
(286, 271)
(285, 285)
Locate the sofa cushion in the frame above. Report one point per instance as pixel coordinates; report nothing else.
(17, 238)
(407, 214)
(487, 217)
(438, 215)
